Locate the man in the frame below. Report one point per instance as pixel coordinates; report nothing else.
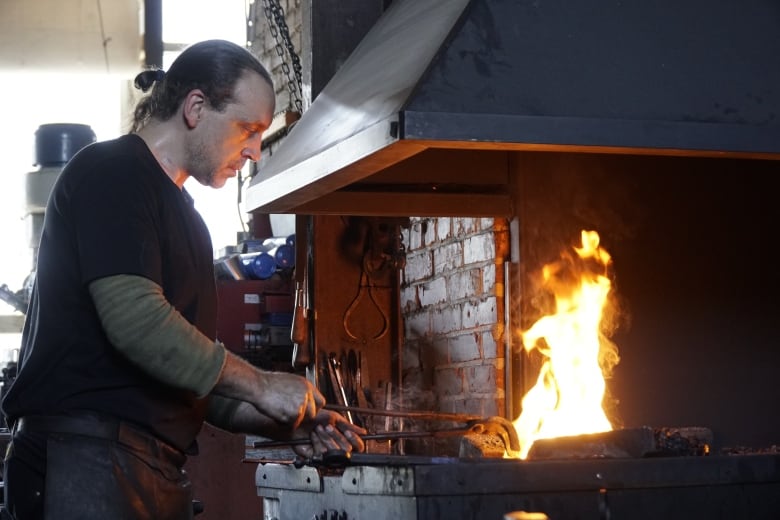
(119, 364)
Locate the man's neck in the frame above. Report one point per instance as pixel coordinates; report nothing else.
(165, 145)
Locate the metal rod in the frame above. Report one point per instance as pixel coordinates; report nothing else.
(426, 416)
(378, 436)
(336, 367)
(509, 380)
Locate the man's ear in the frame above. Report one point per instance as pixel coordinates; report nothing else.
(192, 107)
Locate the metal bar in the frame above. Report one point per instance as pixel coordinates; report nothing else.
(509, 380)
(378, 436)
(422, 415)
(335, 367)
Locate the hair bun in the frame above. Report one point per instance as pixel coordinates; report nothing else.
(146, 79)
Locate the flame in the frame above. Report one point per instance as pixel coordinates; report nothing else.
(567, 398)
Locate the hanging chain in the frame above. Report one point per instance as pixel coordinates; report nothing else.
(277, 24)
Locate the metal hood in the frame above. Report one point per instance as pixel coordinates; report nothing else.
(427, 113)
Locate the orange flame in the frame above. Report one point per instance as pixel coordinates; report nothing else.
(567, 398)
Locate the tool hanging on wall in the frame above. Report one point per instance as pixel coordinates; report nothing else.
(335, 366)
(376, 243)
(299, 332)
(365, 288)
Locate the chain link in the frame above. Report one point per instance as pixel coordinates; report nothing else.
(274, 14)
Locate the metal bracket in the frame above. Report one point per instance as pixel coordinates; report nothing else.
(288, 477)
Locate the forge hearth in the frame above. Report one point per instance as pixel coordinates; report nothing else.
(638, 474)
(392, 487)
(626, 443)
(696, 330)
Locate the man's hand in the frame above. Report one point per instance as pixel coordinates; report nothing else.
(289, 398)
(328, 431)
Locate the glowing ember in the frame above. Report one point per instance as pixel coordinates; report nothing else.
(567, 398)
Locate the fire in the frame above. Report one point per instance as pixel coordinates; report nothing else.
(567, 398)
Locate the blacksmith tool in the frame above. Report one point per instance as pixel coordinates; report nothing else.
(335, 367)
(498, 426)
(330, 459)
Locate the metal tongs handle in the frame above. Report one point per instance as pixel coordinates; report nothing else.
(416, 414)
(476, 423)
(378, 436)
(388, 435)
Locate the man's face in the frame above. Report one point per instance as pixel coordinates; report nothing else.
(224, 141)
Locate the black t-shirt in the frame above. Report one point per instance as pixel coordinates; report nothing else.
(112, 210)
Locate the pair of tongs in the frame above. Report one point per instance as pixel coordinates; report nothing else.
(469, 420)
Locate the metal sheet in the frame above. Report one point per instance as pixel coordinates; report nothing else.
(367, 480)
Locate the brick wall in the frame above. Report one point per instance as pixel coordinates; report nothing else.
(453, 358)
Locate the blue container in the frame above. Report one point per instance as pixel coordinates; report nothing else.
(259, 266)
(284, 256)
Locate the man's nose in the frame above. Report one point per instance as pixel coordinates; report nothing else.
(252, 149)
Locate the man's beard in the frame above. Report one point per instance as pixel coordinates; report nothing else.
(200, 164)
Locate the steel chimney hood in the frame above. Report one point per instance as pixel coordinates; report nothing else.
(427, 114)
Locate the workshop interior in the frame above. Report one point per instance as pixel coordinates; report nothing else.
(528, 246)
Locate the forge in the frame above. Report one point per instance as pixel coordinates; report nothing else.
(538, 121)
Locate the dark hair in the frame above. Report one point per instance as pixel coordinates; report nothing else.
(212, 66)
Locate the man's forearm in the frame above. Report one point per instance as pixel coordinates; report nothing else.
(151, 333)
(240, 379)
(287, 398)
(146, 328)
(241, 417)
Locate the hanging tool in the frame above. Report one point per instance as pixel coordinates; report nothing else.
(354, 360)
(365, 287)
(299, 332)
(333, 384)
(335, 366)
